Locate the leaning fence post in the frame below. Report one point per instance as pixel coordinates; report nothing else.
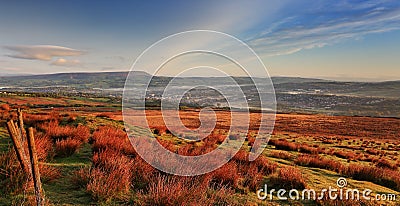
(23, 160)
(29, 165)
(35, 168)
(21, 125)
(18, 135)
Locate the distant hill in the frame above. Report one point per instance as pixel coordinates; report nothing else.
(282, 80)
(76, 80)
(293, 94)
(107, 80)
(116, 79)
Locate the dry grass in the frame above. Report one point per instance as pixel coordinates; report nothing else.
(56, 132)
(67, 147)
(110, 176)
(170, 190)
(174, 190)
(384, 163)
(289, 178)
(283, 144)
(319, 162)
(381, 176)
(281, 155)
(49, 173)
(226, 175)
(44, 147)
(13, 180)
(5, 107)
(108, 137)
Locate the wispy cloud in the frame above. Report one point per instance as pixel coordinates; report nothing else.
(66, 62)
(327, 23)
(41, 52)
(12, 69)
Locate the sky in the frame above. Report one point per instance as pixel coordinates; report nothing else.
(331, 39)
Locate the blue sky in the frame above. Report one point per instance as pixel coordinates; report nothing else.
(344, 40)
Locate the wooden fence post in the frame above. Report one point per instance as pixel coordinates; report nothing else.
(29, 165)
(35, 168)
(18, 146)
(21, 125)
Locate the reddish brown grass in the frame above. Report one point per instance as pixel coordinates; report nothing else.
(308, 149)
(384, 163)
(110, 176)
(5, 107)
(253, 178)
(13, 180)
(226, 175)
(343, 202)
(319, 162)
(49, 173)
(80, 177)
(284, 145)
(281, 155)
(172, 190)
(57, 132)
(112, 138)
(349, 155)
(385, 177)
(142, 173)
(265, 166)
(67, 147)
(44, 147)
(289, 178)
(82, 133)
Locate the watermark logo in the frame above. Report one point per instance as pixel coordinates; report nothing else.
(341, 192)
(341, 182)
(233, 66)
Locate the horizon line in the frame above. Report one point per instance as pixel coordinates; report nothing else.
(324, 78)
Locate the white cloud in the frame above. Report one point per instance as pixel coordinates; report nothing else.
(41, 52)
(66, 62)
(292, 34)
(13, 69)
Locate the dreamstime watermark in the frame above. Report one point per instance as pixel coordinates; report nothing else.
(332, 193)
(208, 53)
